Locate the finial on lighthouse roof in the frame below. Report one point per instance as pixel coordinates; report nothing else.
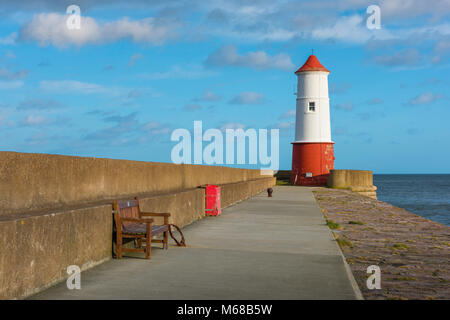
(312, 64)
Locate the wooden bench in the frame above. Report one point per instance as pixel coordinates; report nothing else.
(132, 223)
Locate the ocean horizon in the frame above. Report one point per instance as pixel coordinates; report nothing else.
(427, 195)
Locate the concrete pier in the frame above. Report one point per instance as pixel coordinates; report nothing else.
(261, 248)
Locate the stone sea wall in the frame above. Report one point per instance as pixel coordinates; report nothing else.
(56, 211)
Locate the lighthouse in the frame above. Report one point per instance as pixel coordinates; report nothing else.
(312, 154)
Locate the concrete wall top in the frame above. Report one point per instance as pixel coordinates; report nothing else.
(42, 181)
(348, 179)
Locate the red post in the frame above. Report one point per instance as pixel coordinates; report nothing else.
(213, 206)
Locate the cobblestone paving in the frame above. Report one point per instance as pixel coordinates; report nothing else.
(412, 252)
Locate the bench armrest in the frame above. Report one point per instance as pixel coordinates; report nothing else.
(155, 214)
(137, 220)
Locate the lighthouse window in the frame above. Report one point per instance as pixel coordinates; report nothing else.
(312, 106)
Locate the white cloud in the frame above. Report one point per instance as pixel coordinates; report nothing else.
(10, 75)
(259, 21)
(343, 21)
(6, 85)
(134, 58)
(284, 125)
(442, 46)
(38, 104)
(248, 98)
(177, 72)
(209, 96)
(338, 88)
(5, 116)
(228, 56)
(411, 9)
(274, 34)
(339, 131)
(10, 39)
(155, 128)
(34, 120)
(425, 98)
(408, 57)
(192, 107)
(232, 125)
(65, 86)
(428, 31)
(129, 130)
(10, 55)
(345, 106)
(375, 101)
(347, 29)
(288, 114)
(51, 29)
(147, 30)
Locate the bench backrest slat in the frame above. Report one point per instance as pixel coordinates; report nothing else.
(127, 203)
(128, 209)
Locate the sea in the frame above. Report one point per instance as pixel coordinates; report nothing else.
(427, 195)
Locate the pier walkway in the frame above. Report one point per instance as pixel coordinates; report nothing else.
(261, 248)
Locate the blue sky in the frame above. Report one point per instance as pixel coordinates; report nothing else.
(137, 70)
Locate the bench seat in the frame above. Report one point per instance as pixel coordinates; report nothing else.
(139, 228)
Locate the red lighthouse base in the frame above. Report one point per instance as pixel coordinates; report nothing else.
(311, 163)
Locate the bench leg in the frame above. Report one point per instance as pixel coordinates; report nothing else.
(119, 246)
(166, 240)
(148, 244)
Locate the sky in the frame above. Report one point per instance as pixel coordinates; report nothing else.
(137, 70)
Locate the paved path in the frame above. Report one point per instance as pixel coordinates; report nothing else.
(261, 248)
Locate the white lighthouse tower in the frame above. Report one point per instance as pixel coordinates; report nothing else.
(312, 156)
